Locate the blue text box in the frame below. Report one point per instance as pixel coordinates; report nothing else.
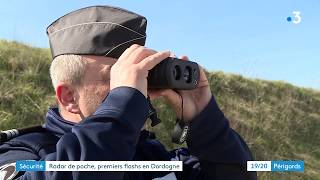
(30, 165)
(297, 166)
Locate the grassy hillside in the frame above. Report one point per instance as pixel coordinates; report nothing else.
(278, 121)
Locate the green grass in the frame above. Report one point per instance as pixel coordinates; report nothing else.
(279, 121)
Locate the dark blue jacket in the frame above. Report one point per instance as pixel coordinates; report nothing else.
(113, 132)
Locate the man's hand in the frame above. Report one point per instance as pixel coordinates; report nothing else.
(132, 67)
(194, 101)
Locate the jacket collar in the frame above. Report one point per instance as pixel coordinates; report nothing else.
(56, 124)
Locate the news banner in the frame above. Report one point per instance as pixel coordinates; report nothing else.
(30, 165)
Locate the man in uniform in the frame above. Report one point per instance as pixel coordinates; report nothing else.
(99, 73)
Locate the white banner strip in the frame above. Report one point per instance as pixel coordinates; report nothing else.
(114, 165)
(258, 165)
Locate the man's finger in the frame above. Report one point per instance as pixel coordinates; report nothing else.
(127, 52)
(173, 55)
(173, 98)
(154, 93)
(184, 58)
(203, 76)
(141, 53)
(151, 61)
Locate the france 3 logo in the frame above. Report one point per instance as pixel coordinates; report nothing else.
(296, 19)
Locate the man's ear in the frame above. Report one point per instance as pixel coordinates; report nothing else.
(66, 96)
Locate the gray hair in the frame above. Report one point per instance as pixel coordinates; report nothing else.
(69, 69)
